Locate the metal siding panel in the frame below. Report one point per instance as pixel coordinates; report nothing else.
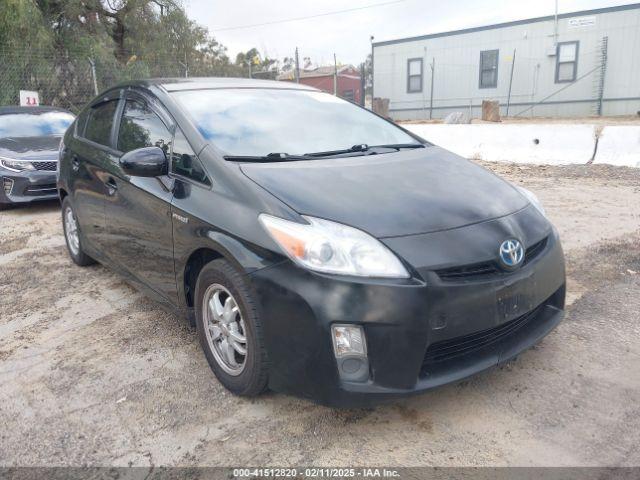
(457, 65)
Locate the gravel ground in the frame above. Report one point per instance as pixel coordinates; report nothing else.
(93, 373)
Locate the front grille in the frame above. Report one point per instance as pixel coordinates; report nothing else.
(448, 349)
(534, 250)
(489, 268)
(44, 189)
(50, 166)
(479, 269)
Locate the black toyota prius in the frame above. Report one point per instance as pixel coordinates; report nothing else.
(29, 140)
(320, 249)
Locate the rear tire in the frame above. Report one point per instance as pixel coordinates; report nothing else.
(228, 324)
(72, 235)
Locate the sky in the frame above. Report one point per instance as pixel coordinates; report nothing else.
(348, 34)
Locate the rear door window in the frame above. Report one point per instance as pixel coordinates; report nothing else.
(141, 127)
(100, 122)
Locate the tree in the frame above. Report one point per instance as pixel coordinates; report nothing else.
(368, 74)
(46, 46)
(288, 64)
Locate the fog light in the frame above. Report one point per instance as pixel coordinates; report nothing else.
(348, 340)
(7, 184)
(350, 348)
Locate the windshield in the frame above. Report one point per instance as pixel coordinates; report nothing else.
(34, 124)
(257, 122)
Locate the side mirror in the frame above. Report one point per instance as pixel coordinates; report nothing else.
(145, 162)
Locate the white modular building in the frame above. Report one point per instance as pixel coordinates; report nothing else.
(568, 65)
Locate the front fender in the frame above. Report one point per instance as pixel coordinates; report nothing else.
(195, 236)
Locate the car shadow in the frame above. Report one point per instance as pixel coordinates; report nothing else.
(43, 206)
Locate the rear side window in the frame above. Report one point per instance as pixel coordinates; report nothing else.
(100, 121)
(141, 127)
(184, 161)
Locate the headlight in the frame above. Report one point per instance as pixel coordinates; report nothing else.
(532, 198)
(16, 165)
(330, 247)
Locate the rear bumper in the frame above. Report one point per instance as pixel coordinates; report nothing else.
(27, 186)
(404, 322)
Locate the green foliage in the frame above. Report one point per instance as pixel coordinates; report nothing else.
(46, 45)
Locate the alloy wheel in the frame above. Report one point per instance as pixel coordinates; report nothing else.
(71, 231)
(225, 329)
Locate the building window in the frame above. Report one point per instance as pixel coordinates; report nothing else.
(567, 62)
(414, 75)
(489, 68)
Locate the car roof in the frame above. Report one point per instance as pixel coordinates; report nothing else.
(14, 109)
(205, 83)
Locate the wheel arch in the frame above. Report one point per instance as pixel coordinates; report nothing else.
(62, 193)
(214, 246)
(191, 270)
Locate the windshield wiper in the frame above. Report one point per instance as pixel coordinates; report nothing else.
(271, 157)
(285, 157)
(363, 147)
(400, 146)
(356, 148)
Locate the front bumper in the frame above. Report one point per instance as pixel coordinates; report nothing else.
(421, 333)
(27, 186)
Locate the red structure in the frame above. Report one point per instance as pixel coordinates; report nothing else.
(349, 82)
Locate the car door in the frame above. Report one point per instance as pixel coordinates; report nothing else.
(90, 155)
(138, 209)
(191, 202)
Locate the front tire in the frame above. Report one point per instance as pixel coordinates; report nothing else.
(72, 235)
(229, 329)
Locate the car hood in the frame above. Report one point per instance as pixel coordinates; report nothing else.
(30, 148)
(395, 194)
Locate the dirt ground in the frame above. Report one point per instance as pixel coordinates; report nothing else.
(93, 373)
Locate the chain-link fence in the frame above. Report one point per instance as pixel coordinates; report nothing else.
(69, 79)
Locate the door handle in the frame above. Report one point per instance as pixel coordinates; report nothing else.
(112, 186)
(75, 163)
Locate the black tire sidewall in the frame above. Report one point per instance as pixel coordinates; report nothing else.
(253, 378)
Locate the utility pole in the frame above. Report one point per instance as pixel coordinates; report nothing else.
(93, 74)
(433, 69)
(335, 75)
(363, 83)
(513, 63)
(297, 71)
(372, 95)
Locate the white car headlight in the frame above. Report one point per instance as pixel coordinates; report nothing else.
(331, 247)
(529, 195)
(16, 165)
